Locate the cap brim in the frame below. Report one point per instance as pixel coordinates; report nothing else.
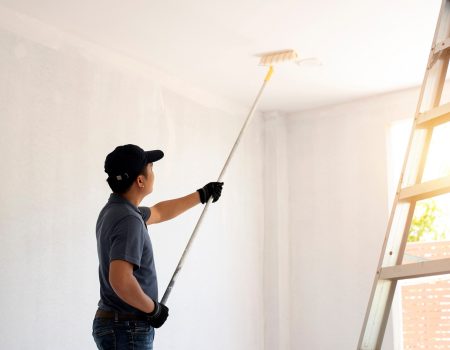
(153, 156)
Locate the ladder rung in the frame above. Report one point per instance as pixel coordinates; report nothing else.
(426, 189)
(420, 269)
(435, 116)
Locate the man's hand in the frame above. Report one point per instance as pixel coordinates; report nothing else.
(213, 189)
(159, 315)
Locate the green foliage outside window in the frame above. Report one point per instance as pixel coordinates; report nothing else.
(423, 225)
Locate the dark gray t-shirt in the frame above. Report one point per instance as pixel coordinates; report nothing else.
(122, 235)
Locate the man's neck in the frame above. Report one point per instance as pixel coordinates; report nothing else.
(132, 197)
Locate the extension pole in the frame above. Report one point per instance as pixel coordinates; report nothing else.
(194, 233)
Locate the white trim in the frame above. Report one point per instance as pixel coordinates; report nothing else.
(397, 317)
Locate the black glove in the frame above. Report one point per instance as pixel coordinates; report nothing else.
(159, 315)
(213, 189)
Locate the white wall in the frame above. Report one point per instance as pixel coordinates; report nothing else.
(64, 104)
(285, 260)
(338, 188)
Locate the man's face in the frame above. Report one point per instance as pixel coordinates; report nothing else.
(148, 182)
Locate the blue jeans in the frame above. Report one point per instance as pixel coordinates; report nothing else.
(120, 335)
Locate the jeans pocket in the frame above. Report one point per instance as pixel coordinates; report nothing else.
(104, 336)
(101, 332)
(141, 327)
(142, 335)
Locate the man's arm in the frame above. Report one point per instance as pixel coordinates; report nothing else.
(127, 287)
(169, 209)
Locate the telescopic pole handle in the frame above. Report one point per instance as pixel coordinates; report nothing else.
(200, 220)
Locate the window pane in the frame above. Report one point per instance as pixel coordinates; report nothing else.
(429, 233)
(438, 158)
(426, 312)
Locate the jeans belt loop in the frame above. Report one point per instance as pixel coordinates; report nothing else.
(116, 316)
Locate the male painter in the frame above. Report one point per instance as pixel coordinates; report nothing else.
(128, 310)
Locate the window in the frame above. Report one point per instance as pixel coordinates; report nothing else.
(421, 308)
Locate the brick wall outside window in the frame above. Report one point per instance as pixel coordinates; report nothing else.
(426, 306)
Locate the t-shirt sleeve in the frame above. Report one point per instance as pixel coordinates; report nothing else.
(146, 212)
(127, 241)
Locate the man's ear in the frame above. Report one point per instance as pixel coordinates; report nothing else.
(140, 180)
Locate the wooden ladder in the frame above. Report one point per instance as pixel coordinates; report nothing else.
(429, 114)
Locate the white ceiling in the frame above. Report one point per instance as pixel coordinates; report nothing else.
(366, 47)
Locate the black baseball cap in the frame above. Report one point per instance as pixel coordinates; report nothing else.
(125, 163)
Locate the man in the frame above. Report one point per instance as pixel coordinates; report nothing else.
(128, 310)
